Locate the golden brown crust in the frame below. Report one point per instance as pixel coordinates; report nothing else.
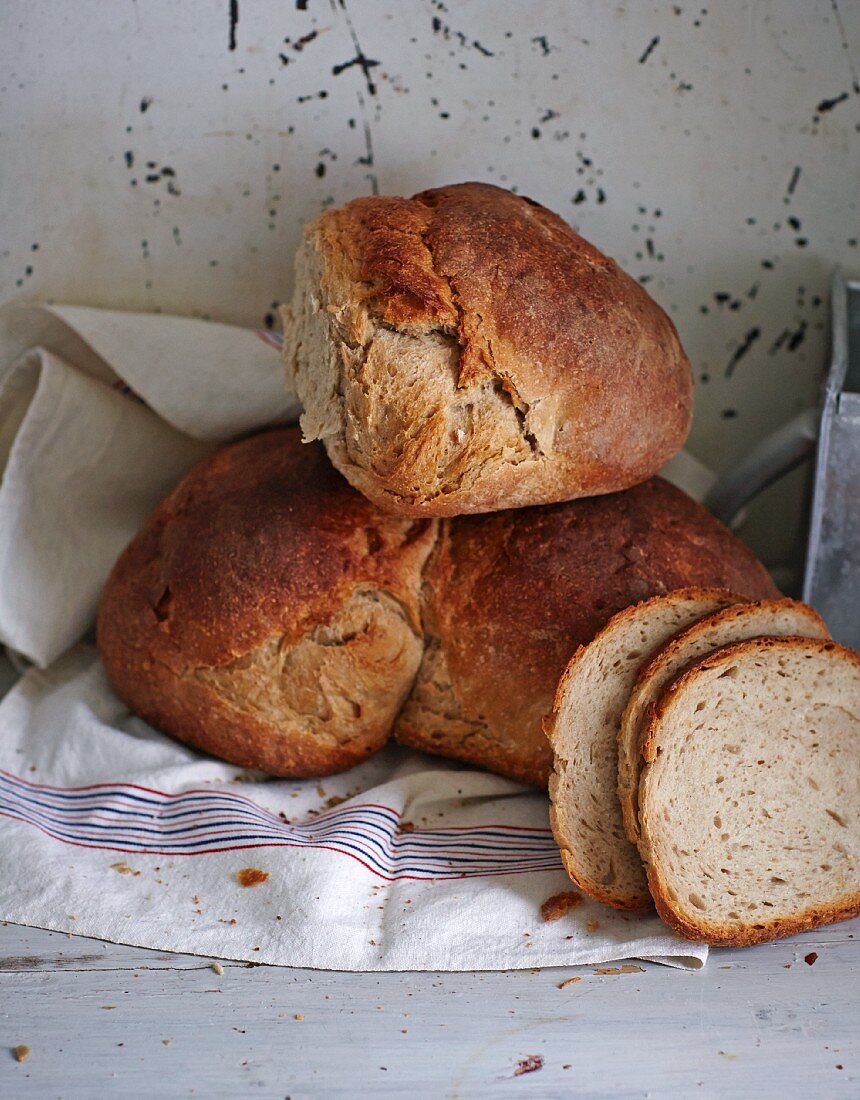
(509, 596)
(718, 936)
(704, 931)
(267, 612)
(589, 387)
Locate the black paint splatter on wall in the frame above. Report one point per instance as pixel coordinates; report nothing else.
(234, 22)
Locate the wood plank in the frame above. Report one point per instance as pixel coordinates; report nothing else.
(755, 1022)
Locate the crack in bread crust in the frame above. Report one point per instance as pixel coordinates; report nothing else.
(267, 613)
(342, 683)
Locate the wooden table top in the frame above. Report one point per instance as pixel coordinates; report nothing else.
(104, 1020)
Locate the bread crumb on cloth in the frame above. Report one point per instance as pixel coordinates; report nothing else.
(559, 904)
(251, 876)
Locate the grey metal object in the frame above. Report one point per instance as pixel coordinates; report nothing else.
(832, 579)
(832, 574)
(776, 455)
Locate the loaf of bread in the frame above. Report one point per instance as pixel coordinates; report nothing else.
(465, 351)
(267, 612)
(508, 597)
(776, 618)
(583, 732)
(749, 801)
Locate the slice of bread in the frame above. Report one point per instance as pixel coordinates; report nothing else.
(583, 731)
(750, 799)
(731, 624)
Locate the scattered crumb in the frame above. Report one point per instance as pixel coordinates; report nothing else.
(567, 1066)
(559, 904)
(405, 1031)
(218, 968)
(123, 868)
(628, 968)
(810, 958)
(21, 1052)
(786, 966)
(839, 1065)
(167, 1042)
(321, 790)
(195, 900)
(592, 925)
(529, 1064)
(728, 1057)
(251, 876)
(299, 1016)
(567, 982)
(107, 1007)
(407, 827)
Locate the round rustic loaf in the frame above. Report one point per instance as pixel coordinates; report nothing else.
(267, 612)
(465, 351)
(508, 598)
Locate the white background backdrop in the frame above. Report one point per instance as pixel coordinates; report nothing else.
(159, 155)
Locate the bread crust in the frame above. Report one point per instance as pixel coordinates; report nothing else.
(542, 349)
(509, 596)
(702, 930)
(268, 613)
(630, 742)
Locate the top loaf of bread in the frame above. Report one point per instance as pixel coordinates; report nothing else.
(465, 351)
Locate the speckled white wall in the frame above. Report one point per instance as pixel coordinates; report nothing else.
(163, 155)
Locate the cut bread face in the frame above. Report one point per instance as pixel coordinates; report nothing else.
(731, 624)
(750, 799)
(583, 732)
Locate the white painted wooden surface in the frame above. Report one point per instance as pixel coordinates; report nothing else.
(103, 1020)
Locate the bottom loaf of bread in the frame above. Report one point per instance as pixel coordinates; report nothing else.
(508, 598)
(271, 615)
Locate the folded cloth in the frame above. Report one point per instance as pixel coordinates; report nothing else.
(110, 829)
(101, 413)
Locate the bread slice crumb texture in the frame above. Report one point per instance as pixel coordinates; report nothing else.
(750, 800)
(732, 624)
(583, 731)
